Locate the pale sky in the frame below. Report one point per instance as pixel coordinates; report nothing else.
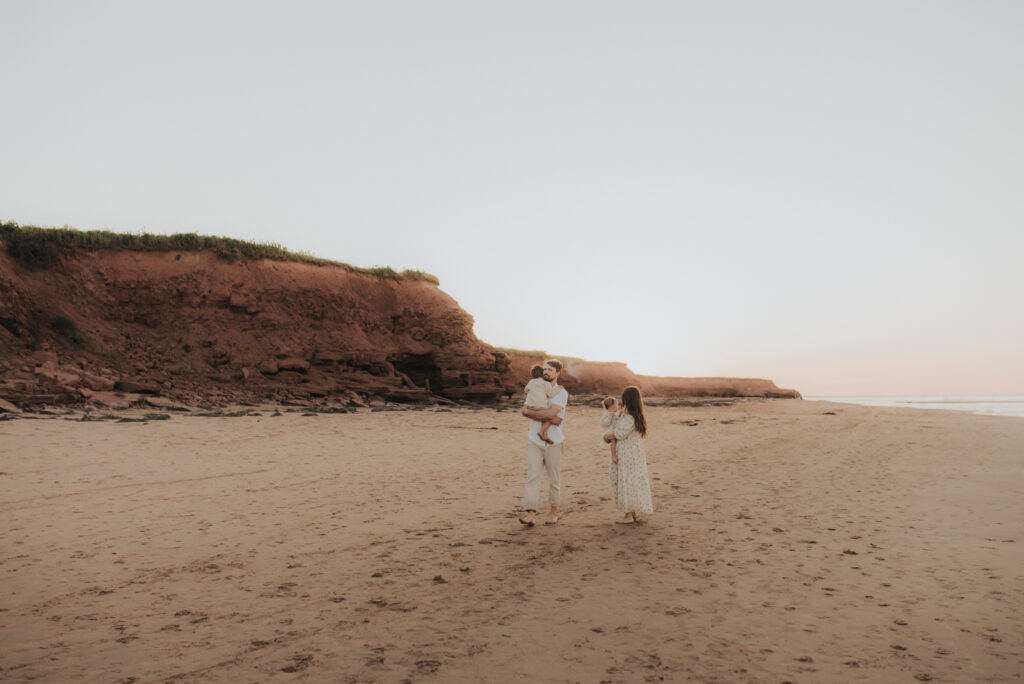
(829, 194)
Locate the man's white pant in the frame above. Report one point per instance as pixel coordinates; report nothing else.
(539, 459)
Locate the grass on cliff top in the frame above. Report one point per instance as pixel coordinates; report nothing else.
(512, 351)
(44, 247)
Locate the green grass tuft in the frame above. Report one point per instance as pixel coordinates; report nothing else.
(45, 247)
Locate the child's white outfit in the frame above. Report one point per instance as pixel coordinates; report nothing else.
(607, 422)
(539, 392)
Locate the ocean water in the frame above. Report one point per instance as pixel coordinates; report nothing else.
(987, 405)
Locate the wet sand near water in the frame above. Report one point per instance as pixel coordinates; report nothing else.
(793, 541)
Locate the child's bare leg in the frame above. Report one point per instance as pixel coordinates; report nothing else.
(615, 457)
(543, 433)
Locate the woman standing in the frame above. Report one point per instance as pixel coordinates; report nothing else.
(630, 484)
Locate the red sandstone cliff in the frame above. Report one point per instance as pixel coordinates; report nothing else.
(188, 326)
(609, 378)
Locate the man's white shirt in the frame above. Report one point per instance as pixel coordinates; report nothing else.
(555, 431)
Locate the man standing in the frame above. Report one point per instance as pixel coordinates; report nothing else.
(541, 456)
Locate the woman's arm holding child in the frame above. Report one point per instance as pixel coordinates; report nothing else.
(623, 426)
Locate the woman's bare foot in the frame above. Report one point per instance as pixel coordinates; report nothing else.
(629, 519)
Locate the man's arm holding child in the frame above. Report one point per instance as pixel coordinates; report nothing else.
(550, 413)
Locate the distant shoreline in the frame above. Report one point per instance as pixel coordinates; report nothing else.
(1009, 405)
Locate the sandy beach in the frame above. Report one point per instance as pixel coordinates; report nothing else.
(793, 541)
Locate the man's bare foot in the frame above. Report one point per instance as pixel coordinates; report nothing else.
(528, 518)
(552, 519)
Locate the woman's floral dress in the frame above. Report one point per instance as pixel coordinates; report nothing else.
(630, 483)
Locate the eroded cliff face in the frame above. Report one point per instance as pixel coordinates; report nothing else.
(189, 326)
(118, 327)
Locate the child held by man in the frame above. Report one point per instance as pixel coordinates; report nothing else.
(538, 396)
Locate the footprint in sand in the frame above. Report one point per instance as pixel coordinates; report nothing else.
(299, 662)
(428, 665)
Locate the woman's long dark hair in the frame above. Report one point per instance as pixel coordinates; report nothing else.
(634, 405)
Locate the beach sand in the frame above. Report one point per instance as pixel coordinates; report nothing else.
(793, 541)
